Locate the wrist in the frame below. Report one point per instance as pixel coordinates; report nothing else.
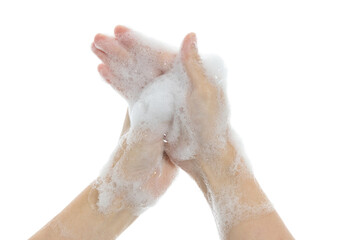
(230, 188)
(222, 168)
(80, 220)
(131, 178)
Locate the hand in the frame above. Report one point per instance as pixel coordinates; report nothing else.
(219, 166)
(137, 174)
(139, 171)
(208, 125)
(205, 104)
(204, 145)
(129, 62)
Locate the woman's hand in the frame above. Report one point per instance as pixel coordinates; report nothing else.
(130, 62)
(138, 173)
(208, 117)
(216, 161)
(241, 209)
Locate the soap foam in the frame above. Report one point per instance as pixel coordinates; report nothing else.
(146, 61)
(156, 90)
(123, 181)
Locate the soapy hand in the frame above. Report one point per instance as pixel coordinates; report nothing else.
(130, 62)
(206, 111)
(182, 101)
(177, 113)
(139, 170)
(196, 123)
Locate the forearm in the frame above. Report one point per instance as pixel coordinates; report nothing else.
(82, 220)
(133, 179)
(259, 221)
(241, 209)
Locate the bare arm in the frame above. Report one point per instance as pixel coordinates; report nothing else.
(240, 207)
(83, 218)
(255, 218)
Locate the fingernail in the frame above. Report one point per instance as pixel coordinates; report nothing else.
(194, 41)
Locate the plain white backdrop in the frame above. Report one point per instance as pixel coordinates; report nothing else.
(291, 84)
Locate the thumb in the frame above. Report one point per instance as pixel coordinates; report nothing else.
(192, 61)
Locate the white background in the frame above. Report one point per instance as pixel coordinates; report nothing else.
(292, 89)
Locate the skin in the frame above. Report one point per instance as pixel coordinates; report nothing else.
(203, 169)
(116, 52)
(82, 220)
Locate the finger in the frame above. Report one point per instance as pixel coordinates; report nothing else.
(100, 54)
(126, 37)
(111, 79)
(192, 61)
(106, 73)
(119, 30)
(134, 42)
(109, 45)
